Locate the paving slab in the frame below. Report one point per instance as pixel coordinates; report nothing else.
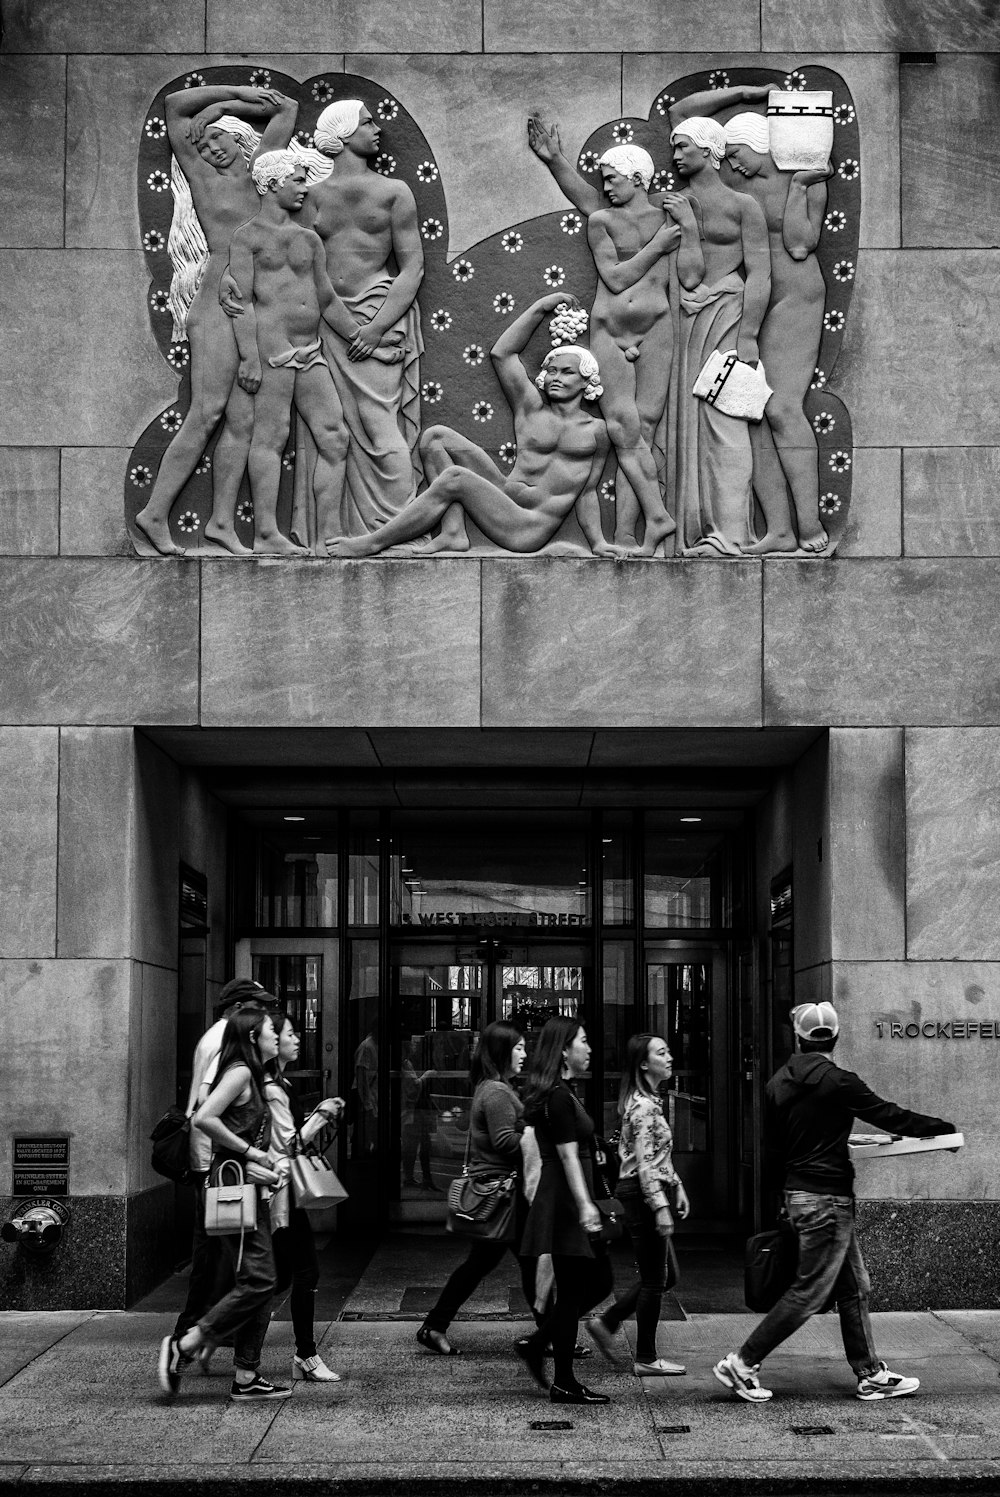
(25, 1335)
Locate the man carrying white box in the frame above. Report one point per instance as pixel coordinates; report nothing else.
(810, 1107)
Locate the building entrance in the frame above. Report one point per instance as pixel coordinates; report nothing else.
(395, 937)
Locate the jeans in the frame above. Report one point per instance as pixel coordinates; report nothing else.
(245, 1312)
(210, 1276)
(830, 1264)
(645, 1298)
(295, 1264)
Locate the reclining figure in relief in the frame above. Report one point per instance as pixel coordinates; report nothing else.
(561, 451)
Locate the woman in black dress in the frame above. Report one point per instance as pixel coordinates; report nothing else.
(563, 1219)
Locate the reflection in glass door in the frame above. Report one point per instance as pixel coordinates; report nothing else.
(437, 1001)
(441, 998)
(296, 979)
(686, 998)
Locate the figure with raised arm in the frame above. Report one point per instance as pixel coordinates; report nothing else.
(561, 451)
(711, 451)
(631, 332)
(794, 203)
(214, 148)
(368, 225)
(280, 268)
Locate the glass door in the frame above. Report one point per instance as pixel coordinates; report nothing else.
(686, 996)
(442, 995)
(302, 974)
(437, 998)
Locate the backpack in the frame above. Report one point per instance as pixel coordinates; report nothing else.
(171, 1139)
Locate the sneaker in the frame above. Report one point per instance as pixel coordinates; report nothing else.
(660, 1368)
(886, 1384)
(741, 1379)
(312, 1370)
(259, 1390)
(172, 1364)
(604, 1339)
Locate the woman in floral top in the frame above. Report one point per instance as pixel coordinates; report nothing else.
(647, 1178)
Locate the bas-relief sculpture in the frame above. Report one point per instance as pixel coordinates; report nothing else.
(297, 239)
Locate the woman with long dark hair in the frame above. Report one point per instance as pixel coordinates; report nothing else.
(292, 1238)
(237, 1120)
(496, 1122)
(645, 1184)
(563, 1219)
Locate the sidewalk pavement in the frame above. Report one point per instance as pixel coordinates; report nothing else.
(80, 1409)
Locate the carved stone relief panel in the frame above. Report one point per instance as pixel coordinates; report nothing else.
(644, 373)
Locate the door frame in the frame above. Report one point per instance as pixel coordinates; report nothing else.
(718, 956)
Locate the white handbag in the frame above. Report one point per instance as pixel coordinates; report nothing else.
(230, 1206)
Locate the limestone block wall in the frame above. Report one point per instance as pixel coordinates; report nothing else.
(96, 820)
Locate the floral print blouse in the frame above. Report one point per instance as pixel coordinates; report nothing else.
(645, 1149)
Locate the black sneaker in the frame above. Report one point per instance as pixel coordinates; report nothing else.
(259, 1390)
(172, 1364)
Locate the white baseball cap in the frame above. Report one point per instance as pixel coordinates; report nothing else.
(815, 1021)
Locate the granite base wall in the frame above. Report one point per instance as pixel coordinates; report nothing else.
(931, 1255)
(114, 1250)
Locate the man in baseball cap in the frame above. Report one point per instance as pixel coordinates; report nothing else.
(809, 1111)
(239, 993)
(815, 1021)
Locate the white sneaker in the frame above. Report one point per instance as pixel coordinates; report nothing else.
(312, 1370)
(885, 1384)
(742, 1379)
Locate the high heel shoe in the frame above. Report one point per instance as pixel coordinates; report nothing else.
(579, 1394)
(433, 1340)
(533, 1358)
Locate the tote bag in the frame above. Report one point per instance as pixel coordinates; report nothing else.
(314, 1182)
(230, 1203)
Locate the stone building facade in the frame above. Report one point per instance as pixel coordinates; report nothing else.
(844, 713)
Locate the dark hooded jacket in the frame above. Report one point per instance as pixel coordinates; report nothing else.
(809, 1111)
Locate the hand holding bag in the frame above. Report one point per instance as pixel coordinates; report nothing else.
(313, 1180)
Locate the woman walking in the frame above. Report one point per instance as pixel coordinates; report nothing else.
(647, 1177)
(563, 1219)
(496, 1121)
(291, 1230)
(237, 1120)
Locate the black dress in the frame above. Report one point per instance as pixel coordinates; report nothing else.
(553, 1224)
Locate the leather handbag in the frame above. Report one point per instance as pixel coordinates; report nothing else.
(482, 1206)
(770, 1263)
(607, 1203)
(171, 1140)
(612, 1217)
(313, 1181)
(230, 1204)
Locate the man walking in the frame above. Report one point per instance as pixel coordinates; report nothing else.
(810, 1109)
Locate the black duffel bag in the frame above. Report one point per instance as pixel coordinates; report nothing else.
(171, 1139)
(770, 1262)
